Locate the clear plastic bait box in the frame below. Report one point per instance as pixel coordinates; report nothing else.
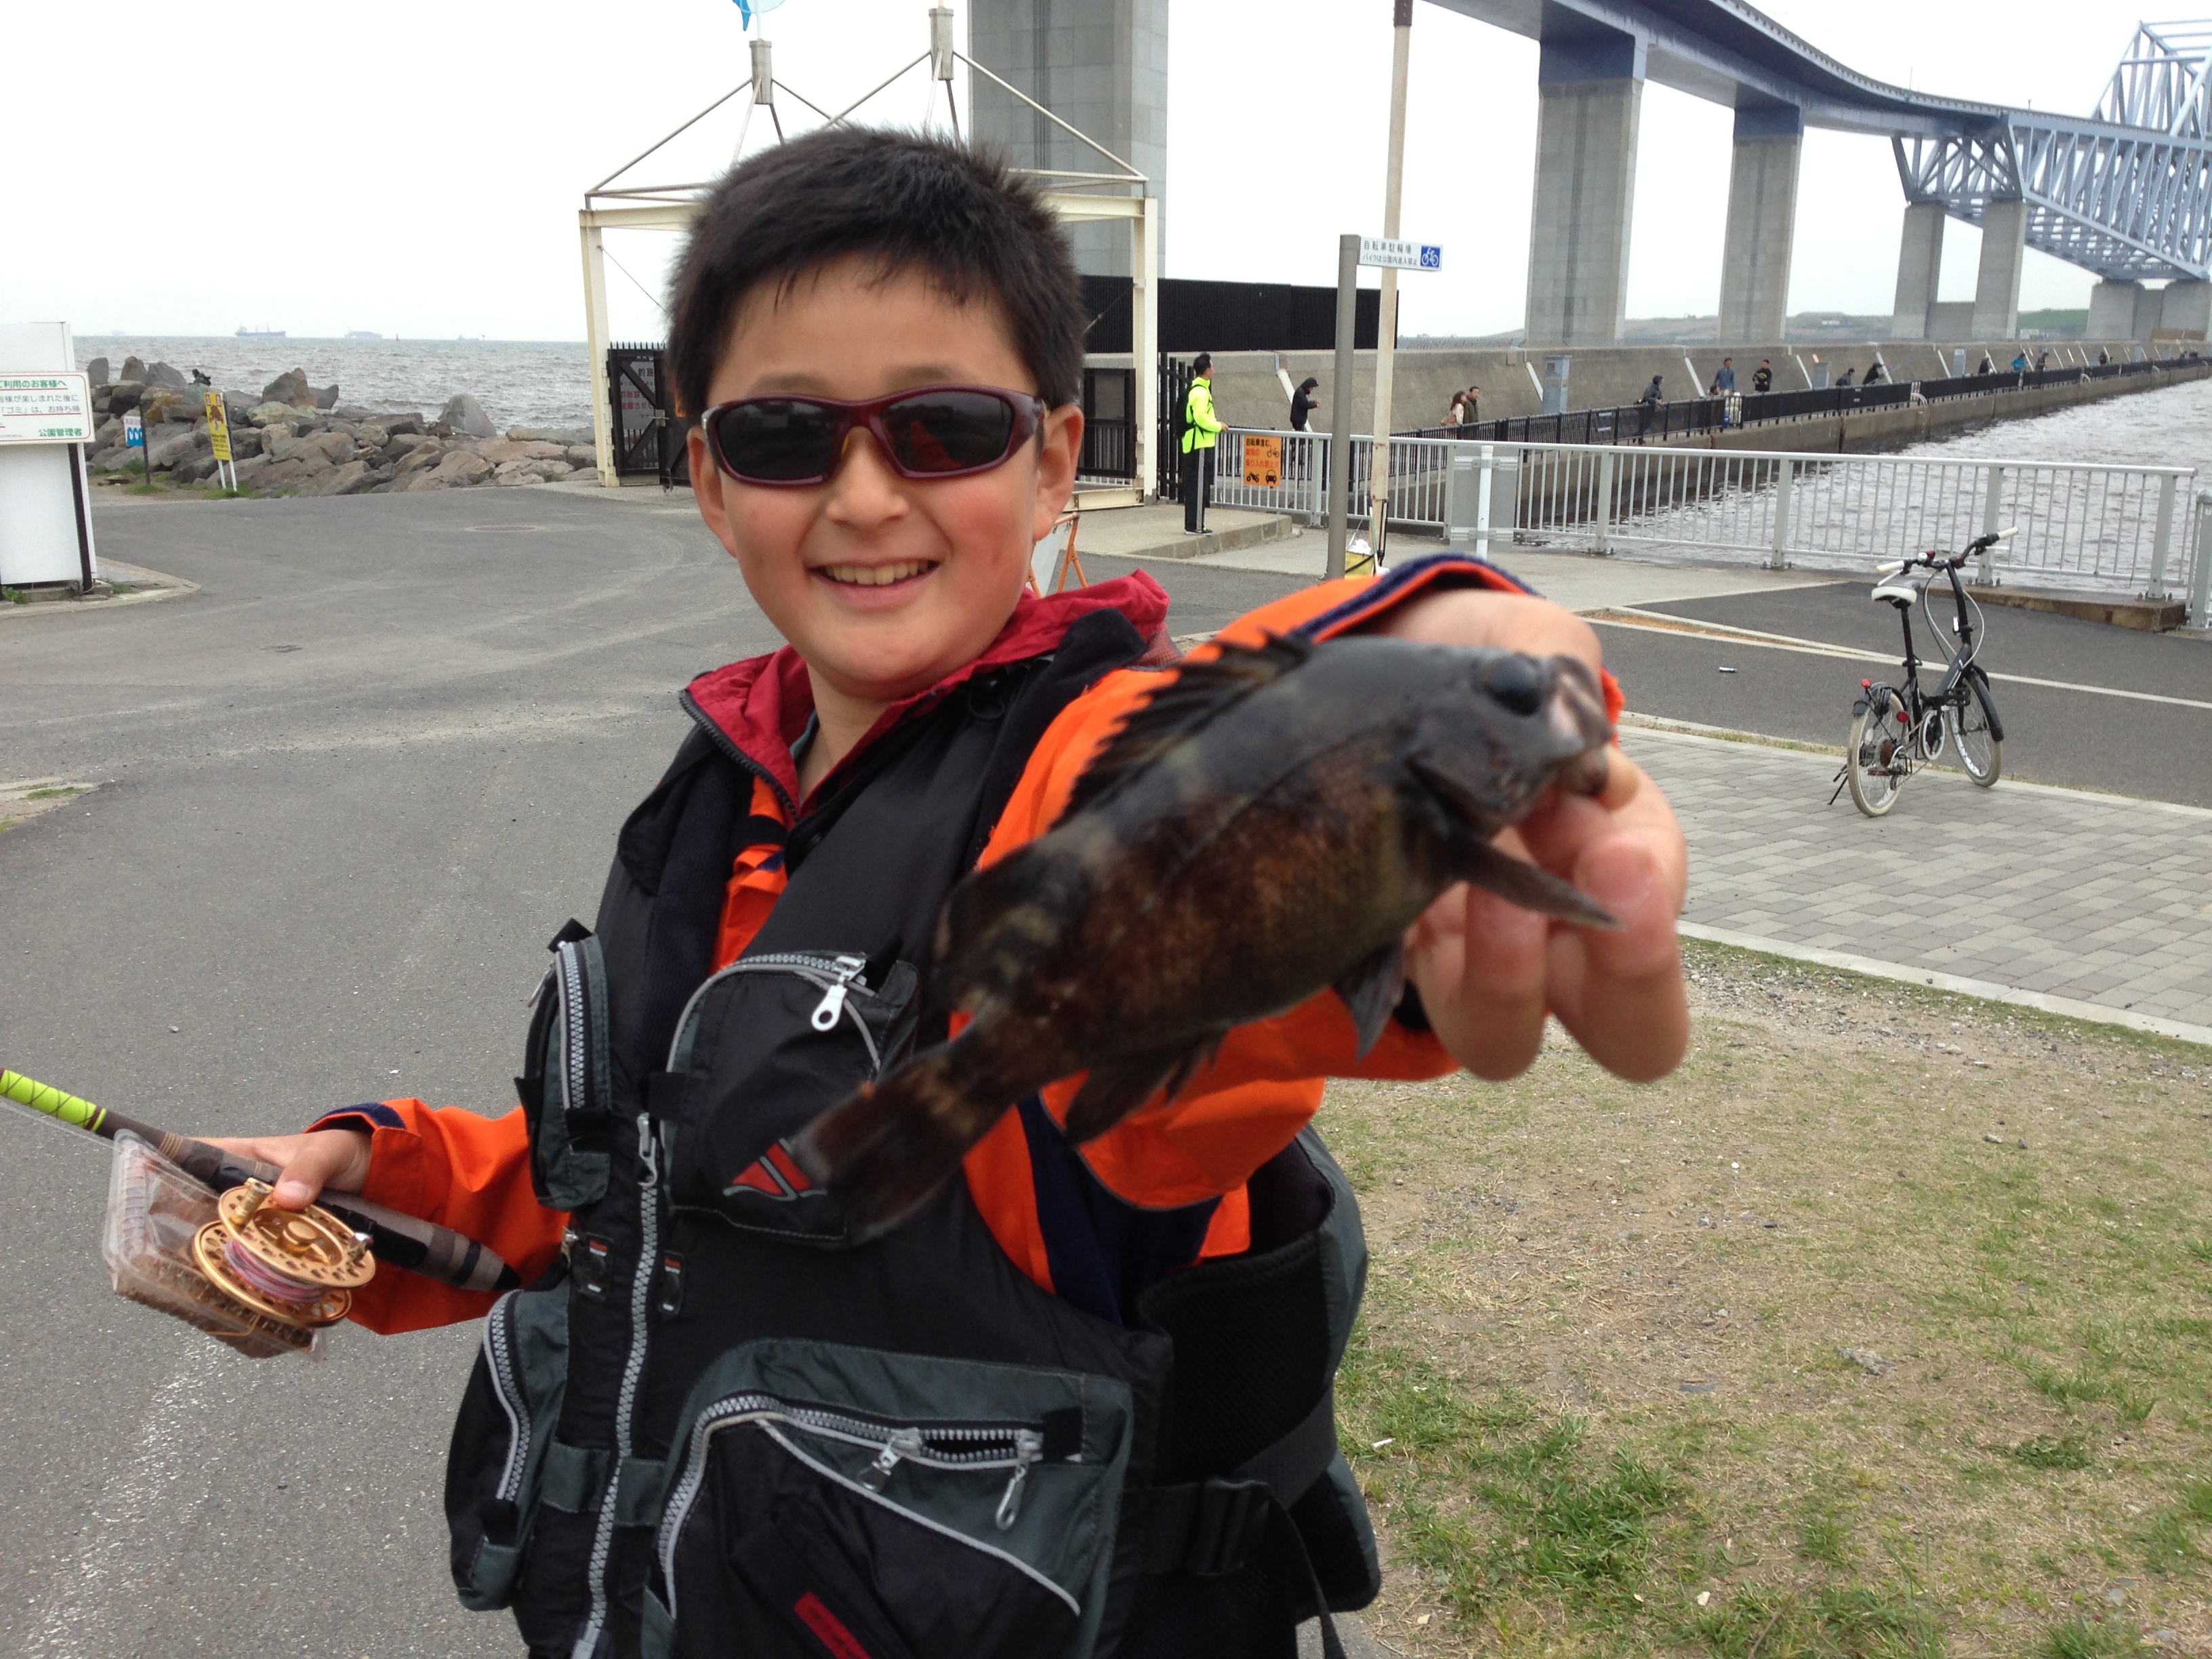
(154, 1211)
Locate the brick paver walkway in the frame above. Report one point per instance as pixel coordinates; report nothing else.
(2094, 899)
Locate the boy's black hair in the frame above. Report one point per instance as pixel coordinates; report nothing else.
(1203, 361)
(900, 201)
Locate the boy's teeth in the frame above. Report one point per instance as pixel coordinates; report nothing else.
(875, 575)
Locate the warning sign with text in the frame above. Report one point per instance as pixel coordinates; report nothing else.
(53, 408)
(1263, 462)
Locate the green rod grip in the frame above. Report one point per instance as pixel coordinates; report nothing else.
(41, 1098)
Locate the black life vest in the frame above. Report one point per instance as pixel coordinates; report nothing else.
(718, 1427)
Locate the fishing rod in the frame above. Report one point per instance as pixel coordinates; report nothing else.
(404, 1241)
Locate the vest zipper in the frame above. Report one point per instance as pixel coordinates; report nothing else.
(991, 1447)
(499, 1358)
(648, 1255)
(836, 976)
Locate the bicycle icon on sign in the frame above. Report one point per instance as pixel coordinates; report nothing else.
(1433, 256)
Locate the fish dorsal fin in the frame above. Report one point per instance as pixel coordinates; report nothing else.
(1199, 691)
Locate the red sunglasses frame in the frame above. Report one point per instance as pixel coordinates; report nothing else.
(1029, 412)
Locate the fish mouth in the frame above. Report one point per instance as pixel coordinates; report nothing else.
(1576, 714)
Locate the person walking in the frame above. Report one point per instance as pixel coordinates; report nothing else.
(2103, 356)
(1985, 366)
(1844, 378)
(1647, 406)
(1304, 402)
(2020, 361)
(1474, 404)
(1724, 381)
(1201, 428)
(1456, 415)
(1762, 378)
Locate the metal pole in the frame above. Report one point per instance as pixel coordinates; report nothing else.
(1143, 341)
(1787, 470)
(1386, 324)
(1339, 455)
(1992, 509)
(2162, 545)
(2200, 578)
(595, 333)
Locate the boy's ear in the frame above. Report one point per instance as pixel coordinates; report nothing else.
(1060, 445)
(707, 483)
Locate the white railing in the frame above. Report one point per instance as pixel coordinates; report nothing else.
(2106, 528)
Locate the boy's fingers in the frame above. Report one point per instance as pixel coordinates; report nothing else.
(1479, 963)
(332, 1159)
(1621, 992)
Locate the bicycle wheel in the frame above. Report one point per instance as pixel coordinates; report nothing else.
(1972, 729)
(1875, 763)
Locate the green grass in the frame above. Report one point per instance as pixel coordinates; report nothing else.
(2088, 1638)
(2047, 1451)
(13, 596)
(60, 792)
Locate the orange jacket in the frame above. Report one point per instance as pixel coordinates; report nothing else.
(472, 1173)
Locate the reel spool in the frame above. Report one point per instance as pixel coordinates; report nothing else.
(298, 1268)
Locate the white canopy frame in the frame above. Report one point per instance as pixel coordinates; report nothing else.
(1074, 196)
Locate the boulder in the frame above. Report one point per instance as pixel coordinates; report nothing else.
(116, 460)
(165, 405)
(280, 475)
(326, 397)
(289, 387)
(581, 455)
(271, 413)
(371, 434)
(97, 370)
(353, 412)
(396, 424)
(245, 440)
(181, 444)
(347, 480)
(334, 448)
(162, 375)
(456, 468)
(133, 369)
(499, 453)
(464, 414)
(110, 433)
(550, 434)
(192, 470)
(426, 452)
(246, 472)
(124, 395)
(238, 408)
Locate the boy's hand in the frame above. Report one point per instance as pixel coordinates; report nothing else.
(1488, 971)
(336, 1160)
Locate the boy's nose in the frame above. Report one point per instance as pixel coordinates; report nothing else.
(864, 490)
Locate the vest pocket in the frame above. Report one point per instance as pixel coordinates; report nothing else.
(764, 1047)
(567, 1094)
(497, 1462)
(827, 1500)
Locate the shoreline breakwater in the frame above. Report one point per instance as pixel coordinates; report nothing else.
(296, 439)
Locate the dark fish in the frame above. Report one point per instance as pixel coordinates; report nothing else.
(1268, 823)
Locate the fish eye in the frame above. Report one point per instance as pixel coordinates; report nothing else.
(1516, 681)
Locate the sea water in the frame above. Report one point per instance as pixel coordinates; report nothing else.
(533, 383)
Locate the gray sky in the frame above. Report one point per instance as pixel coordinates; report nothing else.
(415, 168)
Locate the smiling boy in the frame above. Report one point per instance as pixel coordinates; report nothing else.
(1079, 1402)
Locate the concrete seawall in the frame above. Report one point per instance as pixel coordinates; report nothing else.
(1248, 392)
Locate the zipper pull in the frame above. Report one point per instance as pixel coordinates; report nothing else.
(833, 999)
(648, 1153)
(539, 989)
(1028, 1446)
(906, 1442)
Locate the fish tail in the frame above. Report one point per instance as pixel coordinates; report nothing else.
(882, 1153)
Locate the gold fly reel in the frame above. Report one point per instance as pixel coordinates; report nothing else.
(303, 1266)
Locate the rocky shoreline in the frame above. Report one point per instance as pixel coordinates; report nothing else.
(298, 439)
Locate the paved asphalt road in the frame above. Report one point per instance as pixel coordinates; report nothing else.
(350, 788)
(2071, 737)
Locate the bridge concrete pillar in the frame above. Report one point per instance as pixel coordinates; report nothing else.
(2186, 304)
(1919, 267)
(1762, 222)
(2113, 310)
(1589, 93)
(1101, 66)
(1996, 288)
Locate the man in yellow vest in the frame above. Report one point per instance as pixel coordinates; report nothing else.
(1200, 426)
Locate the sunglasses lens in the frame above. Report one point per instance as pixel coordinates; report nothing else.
(778, 440)
(949, 431)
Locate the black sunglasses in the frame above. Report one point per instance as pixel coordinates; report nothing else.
(930, 432)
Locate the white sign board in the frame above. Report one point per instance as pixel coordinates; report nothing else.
(1400, 256)
(50, 408)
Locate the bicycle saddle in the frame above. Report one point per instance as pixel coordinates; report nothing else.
(1895, 590)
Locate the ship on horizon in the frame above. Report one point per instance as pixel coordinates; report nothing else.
(260, 334)
(363, 334)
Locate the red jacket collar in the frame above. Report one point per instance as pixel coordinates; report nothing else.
(761, 704)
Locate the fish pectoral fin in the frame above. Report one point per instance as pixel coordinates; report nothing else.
(1115, 1088)
(1371, 989)
(884, 1150)
(1530, 886)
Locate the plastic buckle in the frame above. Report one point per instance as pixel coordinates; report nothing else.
(1226, 1527)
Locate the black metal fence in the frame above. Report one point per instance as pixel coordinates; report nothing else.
(1175, 376)
(1640, 422)
(1109, 424)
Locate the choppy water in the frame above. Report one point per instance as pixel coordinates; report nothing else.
(534, 383)
(2170, 426)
